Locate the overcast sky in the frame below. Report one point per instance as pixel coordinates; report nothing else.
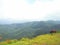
(29, 9)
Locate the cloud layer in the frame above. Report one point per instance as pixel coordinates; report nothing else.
(24, 10)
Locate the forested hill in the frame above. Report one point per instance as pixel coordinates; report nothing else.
(28, 29)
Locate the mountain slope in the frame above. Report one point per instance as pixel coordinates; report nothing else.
(46, 39)
(29, 29)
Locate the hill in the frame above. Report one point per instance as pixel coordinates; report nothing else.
(47, 39)
(28, 29)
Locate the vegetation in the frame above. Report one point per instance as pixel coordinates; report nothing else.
(29, 29)
(46, 39)
(30, 33)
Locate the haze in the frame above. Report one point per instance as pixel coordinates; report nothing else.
(29, 10)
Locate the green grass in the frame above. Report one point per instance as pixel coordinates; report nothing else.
(46, 39)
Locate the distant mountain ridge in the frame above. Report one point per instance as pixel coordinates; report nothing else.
(27, 29)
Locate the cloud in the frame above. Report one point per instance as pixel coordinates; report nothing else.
(30, 1)
(21, 10)
(53, 16)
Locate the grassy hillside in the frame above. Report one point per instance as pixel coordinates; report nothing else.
(47, 39)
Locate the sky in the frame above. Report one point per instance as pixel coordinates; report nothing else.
(30, 10)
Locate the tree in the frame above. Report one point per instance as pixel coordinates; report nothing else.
(53, 31)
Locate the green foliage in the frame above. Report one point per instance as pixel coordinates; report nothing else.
(46, 39)
(29, 29)
(15, 40)
(8, 41)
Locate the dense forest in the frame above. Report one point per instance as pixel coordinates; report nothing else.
(28, 29)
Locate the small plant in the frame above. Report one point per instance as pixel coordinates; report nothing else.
(8, 41)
